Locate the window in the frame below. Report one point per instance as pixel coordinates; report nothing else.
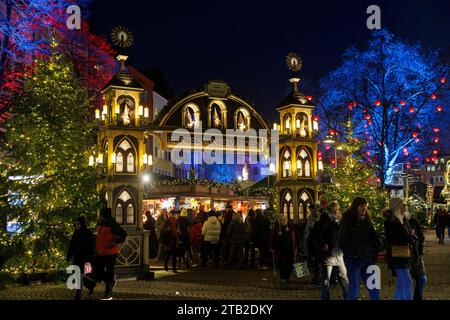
(242, 119)
(303, 164)
(130, 163)
(130, 214)
(119, 213)
(119, 162)
(288, 208)
(301, 124)
(191, 116)
(217, 115)
(287, 123)
(287, 165)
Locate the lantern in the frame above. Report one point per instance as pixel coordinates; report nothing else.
(97, 114)
(320, 165)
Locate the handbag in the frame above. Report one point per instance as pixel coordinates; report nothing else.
(301, 269)
(87, 268)
(400, 252)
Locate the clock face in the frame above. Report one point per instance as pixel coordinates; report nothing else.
(122, 37)
(293, 62)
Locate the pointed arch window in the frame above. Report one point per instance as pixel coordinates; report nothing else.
(125, 209)
(191, 116)
(287, 123)
(126, 157)
(301, 124)
(303, 163)
(287, 205)
(242, 119)
(287, 164)
(305, 200)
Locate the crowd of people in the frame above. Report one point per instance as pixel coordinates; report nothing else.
(339, 248)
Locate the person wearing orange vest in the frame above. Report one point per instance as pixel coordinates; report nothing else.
(109, 236)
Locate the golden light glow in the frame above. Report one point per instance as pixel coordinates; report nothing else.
(150, 160)
(117, 109)
(100, 158)
(144, 158)
(141, 111)
(320, 164)
(146, 112)
(91, 161)
(105, 109)
(97, 114)
(315, 125)
(113, 158)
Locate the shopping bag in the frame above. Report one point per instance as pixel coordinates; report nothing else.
(87, 268)
(301, 269)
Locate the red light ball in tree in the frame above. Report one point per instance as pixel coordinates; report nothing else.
(316, 118)
(417, 140)
(309, 98)
(368, 117)
(436, 130)
(405, 150)
(427, 160)
(377, 102)
(397, 109)
(368, 153)
(333, 162)
(414, 134)
(439, 108)
(378, 180)
(443, 80)
(433, 96)
(411, 109)
(355, 103)
(327, 147)
(416, 159)
(435, 152)
(436, 139)
(332, 132)
(402, 102)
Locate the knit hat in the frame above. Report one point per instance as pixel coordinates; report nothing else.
(183, 212)
(394, 204)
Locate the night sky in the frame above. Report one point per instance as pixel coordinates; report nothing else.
(245, 42)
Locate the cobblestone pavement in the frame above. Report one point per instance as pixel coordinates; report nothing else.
(210, 283)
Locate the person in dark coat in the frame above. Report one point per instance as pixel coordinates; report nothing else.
(397, 232)
(249, 244)
(284, 241)
(149, 225)
(227, 217)
(81, 251)
(261, 232)
(441, 224)
(109, 236)
(170, 238)
(360, 244)
(417, 252)
(331, 256)
(196, 238)
(184, 247)
(236, 235)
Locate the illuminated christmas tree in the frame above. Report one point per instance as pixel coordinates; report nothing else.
(49, 139)
(355, 177)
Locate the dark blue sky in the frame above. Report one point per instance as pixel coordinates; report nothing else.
(245, 42)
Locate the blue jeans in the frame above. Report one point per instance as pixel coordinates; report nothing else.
(420, 287)
(403, 289)
(357, 269)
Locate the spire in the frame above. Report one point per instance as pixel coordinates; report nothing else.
(295, 82)
(122, 58)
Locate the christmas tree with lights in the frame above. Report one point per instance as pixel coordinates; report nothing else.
(355, 177)
(49, 138)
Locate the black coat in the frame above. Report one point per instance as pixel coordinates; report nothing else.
(261, 231)
(81, 247)
(397, 234)
(417, 245)
(327, 232)
(358, 240)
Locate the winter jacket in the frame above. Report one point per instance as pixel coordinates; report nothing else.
(441, 221)
(397, 234)
(228, 217)
(284, 242)
(183, 230)
(236, 232)
(169, 236)
(358, 240)
(211, 230)
(81, 247)
(417, 248)
(327, 232)
(150, 226)
(261, 231)
(158, 225)
(109, 236)
(195, 233)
